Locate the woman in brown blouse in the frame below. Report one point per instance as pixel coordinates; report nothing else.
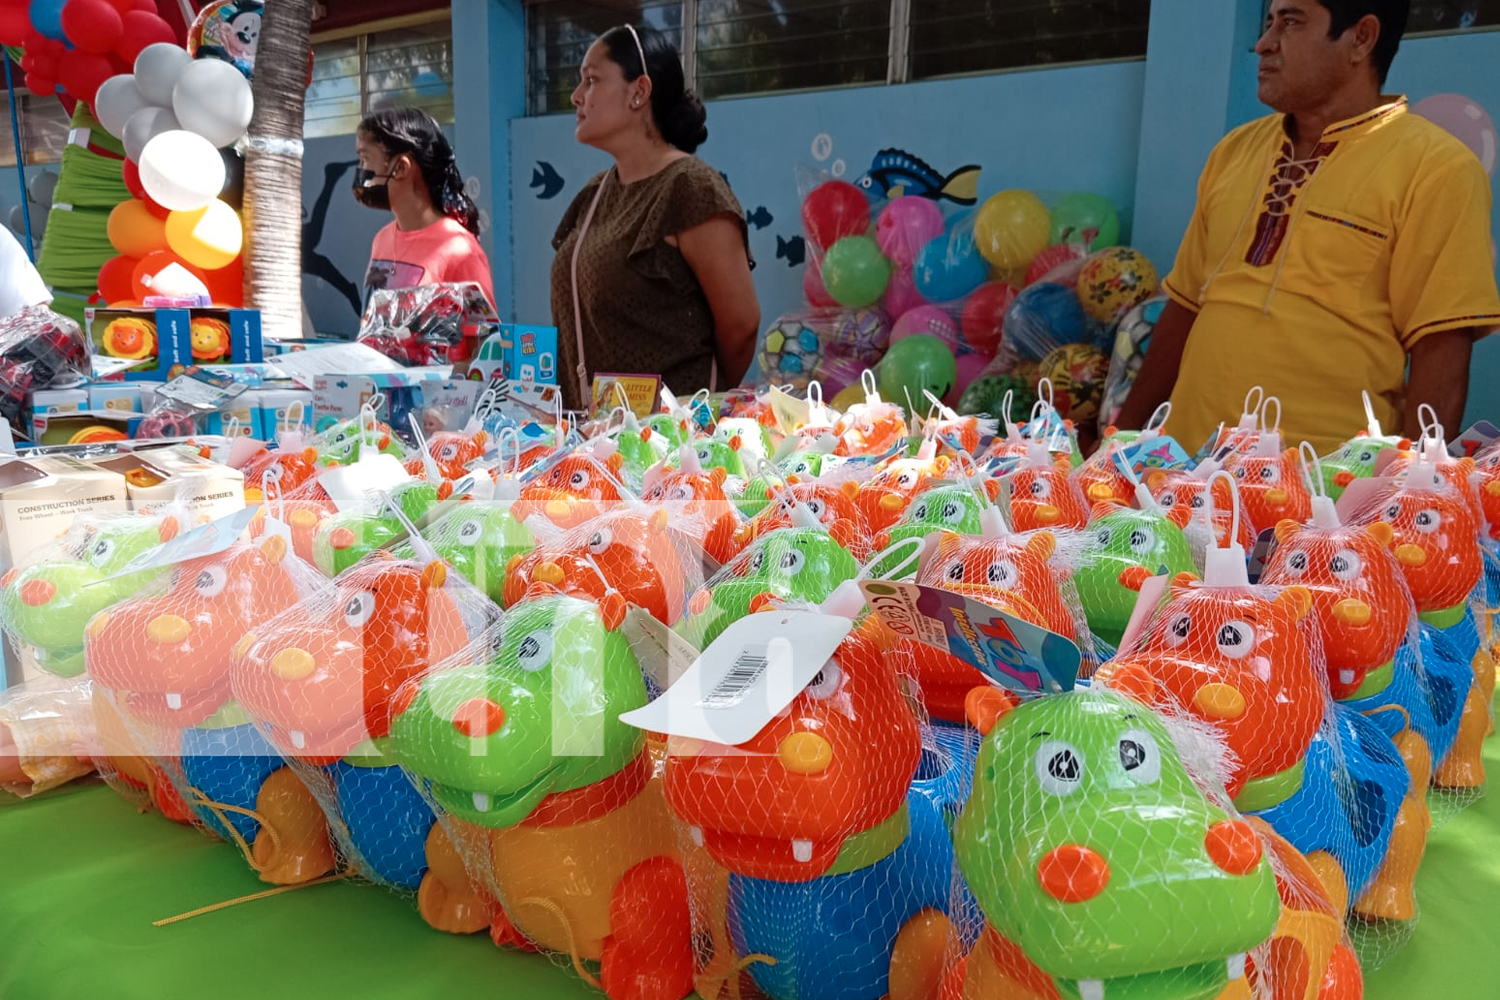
(653, 254)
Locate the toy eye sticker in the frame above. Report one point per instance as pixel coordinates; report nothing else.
(791, 562)
(1345, 565)
(1235, 639)
(1059, 767)
(1178, 629)
(1041, 489)
(600, 540)
(1428, 521)
(1003, 574)
(1140, 756)
(359, 608)
(1142, 540)
(953, 512)
(1296, 562)
(210, 581)
(535, 651)
(826, 683)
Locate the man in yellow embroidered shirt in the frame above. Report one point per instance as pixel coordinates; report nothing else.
(1330, 242)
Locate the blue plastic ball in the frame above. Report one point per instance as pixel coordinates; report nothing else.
(950, 267)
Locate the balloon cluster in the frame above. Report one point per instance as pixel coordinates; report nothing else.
(177, 117)
(73, 46)
(976, 303)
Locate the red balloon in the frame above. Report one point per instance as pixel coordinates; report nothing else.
(146, 6)
(122, 6)
(15, 23)
(983, 319)
(834, 210)
(227, 285)
(133, 183)
(141, 29)
(82, 75)
(44, 65)
(117, 278)
(92, 25)
(40, 86)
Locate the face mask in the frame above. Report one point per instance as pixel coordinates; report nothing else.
(371, 195)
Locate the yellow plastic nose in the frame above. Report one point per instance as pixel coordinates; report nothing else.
(1352, 611)
(293, 664)
(558, 508)
(1100, 491)
(1276, 497)
(302, 519)
(243, 646)
(98, 624)
(1047, 514)
(1411, 555)
(168, 629)
(1219, 701)
(549, 573)
(805, 753)
(1493, 487)
(892, 502)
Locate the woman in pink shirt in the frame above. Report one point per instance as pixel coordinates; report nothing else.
(406, 166)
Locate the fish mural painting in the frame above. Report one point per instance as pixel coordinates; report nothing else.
(895, 173)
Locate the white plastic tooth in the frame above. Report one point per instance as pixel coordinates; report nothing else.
(298, 738)
(696, 833)
(1091, 989)
(802, 850)
(1236, 967)
(174, 701)
(1346, 677)
(481, 802)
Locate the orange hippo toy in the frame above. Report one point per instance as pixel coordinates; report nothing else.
(884, 497)
(452, 451)
(1271, 485)
(696, 497)
(1044, 496)
(836, 507)
(618, 559)
(575, 487)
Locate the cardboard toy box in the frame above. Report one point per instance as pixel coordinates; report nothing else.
(339, 397)
(161, 475)
(161, 342)
(519, 352)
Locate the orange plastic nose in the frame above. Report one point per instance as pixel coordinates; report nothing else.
(700, 601)
(557, 509)
(1351, 611)
(1233, 846)
(1493, 487)
(1073, 873)
(1343, 478)
(341, 538)
(37, 592)
(549, 573)
(302, 519)
(9, 577)
(805, 753)
(478, 717)
(1411, 555)
(882, 541)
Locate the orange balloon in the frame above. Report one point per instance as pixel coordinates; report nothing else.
(153, 264)
(117, 278)
(134, 231)
(211, 237)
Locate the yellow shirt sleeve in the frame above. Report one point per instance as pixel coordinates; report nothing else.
(1442, 268)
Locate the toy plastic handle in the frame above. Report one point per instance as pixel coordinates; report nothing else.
(1250, 415)
(1225, 566)
(1159, 418)
(1371, 423)
(868, 383)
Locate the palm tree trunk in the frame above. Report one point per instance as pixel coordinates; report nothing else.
(273, 170)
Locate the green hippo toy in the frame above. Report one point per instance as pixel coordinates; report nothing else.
(576, 841)
(346, 538)
(46, 606)
(479, 540)
(340, 444)
(942, 508)
(1124, 548)
(1091, 851)
(793, 564)
(755, 440)
(714, 454)
(1356, 459)
(670, 429)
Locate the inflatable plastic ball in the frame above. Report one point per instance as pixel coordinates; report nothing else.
(1132, 337)
(986, 395)
(906, 226)
(855, 272)
(1085, 219)
(931, 320)
(790, 350)
(1011, 228)
(983, 319)
(914, 365)
(1077, 373)
(1043, 318)
(950, 267)
(833, 211)
(1115, 281)
(1058, 264)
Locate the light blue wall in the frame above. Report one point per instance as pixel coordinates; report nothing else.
(1053, 130)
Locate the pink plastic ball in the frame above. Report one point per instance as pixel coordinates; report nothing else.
(969, 367)
(906, 226)
(933, 321)
(901, 295)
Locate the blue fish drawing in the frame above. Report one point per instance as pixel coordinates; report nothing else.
(895, 172)
(760, 218)
(793, 251)
(545, 176)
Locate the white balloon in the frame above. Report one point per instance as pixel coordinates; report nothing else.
(181, 171)
(213, 99)
(118, 99)
(157, 70)
(145, 125)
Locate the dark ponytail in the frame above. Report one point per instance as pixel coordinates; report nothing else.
(415, 133)
(678, 113)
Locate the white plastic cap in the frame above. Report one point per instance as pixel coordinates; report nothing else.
(1226, 567)
(1325, 513)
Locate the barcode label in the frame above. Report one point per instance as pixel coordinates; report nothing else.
(748, 668)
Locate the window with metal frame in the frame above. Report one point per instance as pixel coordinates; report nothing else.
(1445, 17)
(44, 130)
(734, 48)
(390, 64)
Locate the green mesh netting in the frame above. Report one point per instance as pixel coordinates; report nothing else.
(76, 243)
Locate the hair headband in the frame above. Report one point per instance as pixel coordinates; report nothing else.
(639, 50)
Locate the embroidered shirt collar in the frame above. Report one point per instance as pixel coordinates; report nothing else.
(1390, 108)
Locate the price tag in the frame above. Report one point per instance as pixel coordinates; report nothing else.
(1140, 457)
(359, 487)
(1013, 653)
(201, 389)
(746, 678)
(1145, 606)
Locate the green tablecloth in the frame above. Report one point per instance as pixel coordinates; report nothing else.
(82, 877)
